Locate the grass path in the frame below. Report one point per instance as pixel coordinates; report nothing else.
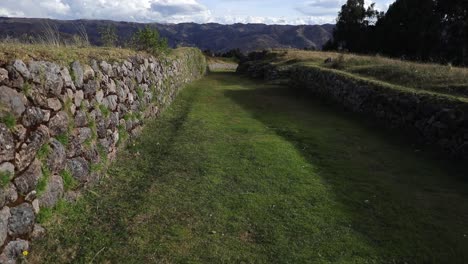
(241, 172)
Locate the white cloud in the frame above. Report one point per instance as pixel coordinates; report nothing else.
(170, 11)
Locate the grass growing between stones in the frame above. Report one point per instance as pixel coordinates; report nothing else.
(240, 172)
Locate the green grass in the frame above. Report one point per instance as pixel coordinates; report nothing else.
(241, 172)
(69, 183)
(9, 120)
(4, 179)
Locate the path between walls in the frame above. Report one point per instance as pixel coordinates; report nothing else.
(237, 171)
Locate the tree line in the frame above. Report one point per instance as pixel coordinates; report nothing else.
(425, 30)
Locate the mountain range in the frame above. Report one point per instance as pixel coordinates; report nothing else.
(211, 36)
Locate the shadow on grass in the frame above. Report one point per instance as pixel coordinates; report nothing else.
(409, 203)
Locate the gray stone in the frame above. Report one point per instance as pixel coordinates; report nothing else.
(15, 79)
(58, 124)
(4, 216)
(46, 114)
(36, 207)
(20, 132)
(111, 87)
(29, 149)
(101, 127)
(79, 96)
(14, 250)
(32, 117)
(11, 102)
(38, 232)
(113, 120)
(90, 88)
(3, 75)
(7, 144)
(106, 68)
(88, 73)
(67, 80)
(81, 120)
(84, 133)
(79, 169)
(11, 195)
(20, 67)
(99, 96)
(77, 73)
(27, 181)
(21, 221)
(53, 192)
(91, 154)
(31, 196)
(47, 74)
(111, 102)
(57, 155)
(54, 104)
(7, 168)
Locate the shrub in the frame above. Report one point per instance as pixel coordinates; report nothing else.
(108, 35)
(149, 40)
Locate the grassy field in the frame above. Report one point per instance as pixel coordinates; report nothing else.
(241, 172)
(443, 79)
(65, 55)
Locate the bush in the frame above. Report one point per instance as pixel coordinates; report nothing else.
(149, 40)
(108, 35)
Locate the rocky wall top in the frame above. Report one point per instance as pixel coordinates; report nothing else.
(60, 126)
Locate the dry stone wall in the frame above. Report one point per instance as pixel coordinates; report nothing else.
(61, 125)
(436, 120)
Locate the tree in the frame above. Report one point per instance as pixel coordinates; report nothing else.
(453, 15)
(148, 39)
(410, 28)
(352, 26)
(108, 35)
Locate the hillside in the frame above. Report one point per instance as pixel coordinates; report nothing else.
(215, 37)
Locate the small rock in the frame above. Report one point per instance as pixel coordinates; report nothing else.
(4, 216)
(111, 102)
(7, 168)
(33, 117)
(54, 104)
(56, 157)
(13, 250)
(20, 132)
(53, 191)
(11, 195)
(77, 73)
(3, 75)
(81, 120)
(27, 181)
(31, 196)
(7, 144)
(46, 114)
(38, 232)
(90, 88)
(11, 102)
(68, 82)
(99, 96)
(79, 96)
(21, 221)
(58, 124)
(35, 205)
(88, 73)
(79, 169)
(21, 68)
(28, 151)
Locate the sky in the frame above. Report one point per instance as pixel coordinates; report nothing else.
(292, 12)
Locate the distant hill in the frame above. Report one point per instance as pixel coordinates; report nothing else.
(215, 37)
